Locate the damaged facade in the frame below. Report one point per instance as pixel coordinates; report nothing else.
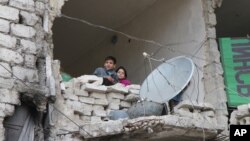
(30, 77)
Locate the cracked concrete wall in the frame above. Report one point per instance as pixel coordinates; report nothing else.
(26, 53)
(85, 103)
(213, 71)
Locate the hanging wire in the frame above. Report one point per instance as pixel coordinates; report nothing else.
(17, 78)
(131, 37)
(65, 114)
(72, 121)
(143, 40)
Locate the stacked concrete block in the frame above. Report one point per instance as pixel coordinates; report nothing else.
(23, 31)
(29, 18)
(241, 116)
(28, 47)
(26, 74)
(6, 40)
(10, 56)
(28, 5)
(11, 15)
(199, 111)
(114, 103)
(7, 83)
(9, 97)
(92, 102)
(23, 41)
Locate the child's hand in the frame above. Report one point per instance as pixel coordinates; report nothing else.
(110, 79)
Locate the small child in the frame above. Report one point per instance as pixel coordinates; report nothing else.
(108, 73)
(122, 75)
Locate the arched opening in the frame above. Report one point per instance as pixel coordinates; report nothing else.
(81, 48)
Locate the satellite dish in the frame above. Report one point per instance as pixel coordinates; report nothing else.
(167, 80)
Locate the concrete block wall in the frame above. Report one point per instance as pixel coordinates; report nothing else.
(24, 39)
(86, 102)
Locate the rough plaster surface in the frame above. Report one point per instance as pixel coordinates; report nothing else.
(26, 46)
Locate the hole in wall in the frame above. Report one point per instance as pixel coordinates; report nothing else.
(82, 48)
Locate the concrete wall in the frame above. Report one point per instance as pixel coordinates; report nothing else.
(26, 49)
(25, 54)
(86, 103)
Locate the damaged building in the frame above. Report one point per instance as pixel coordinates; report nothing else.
(41, 38)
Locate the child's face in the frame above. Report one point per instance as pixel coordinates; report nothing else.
(109, 64)
(121, 74)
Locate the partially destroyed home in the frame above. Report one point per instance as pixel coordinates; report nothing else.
(195, 49)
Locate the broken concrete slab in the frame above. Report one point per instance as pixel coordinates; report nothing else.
(195, 105)
(95, 88)
(103, 102)
(87, 100)
(9, 97)
(98, 95)
(125, 104)
(118, 88)
(141, 125)
(115, 95)
(133, 91)
(79, 92)
(134, 86)
(89, 79)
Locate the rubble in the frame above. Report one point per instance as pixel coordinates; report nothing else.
(146, 125)
(241, 116)
(26, 37)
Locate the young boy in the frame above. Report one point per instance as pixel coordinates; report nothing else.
(108, 73)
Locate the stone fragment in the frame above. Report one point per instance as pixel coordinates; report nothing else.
(3, 72)
(125, 104)
(29, 18)
(98, 95)
(9, 13)
(103, 102)
(25, 74)
(118, 88)
(4, 27)
(23, 31)
(23, 4)
(9, 97)
(95, 88)
(115, 95)
(10, 56)
(87, 100)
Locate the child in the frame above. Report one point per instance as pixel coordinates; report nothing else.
(108, 73)
(122, 75)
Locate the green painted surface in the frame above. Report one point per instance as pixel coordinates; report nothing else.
(237, 92)
(65, 77)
